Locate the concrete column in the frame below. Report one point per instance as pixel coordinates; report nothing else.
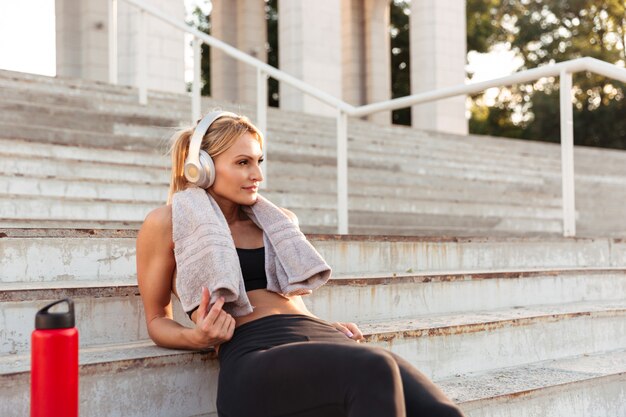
(366, 61)
(353, 55)
(224, 69)
(438, 50)
(240, 23)
(82, 43)
(252, 37)
(82, 39)
(377, 56)
(309, 34)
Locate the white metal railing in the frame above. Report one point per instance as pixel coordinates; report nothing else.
(563, 70)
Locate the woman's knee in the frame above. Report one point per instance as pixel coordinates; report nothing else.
(378, 363)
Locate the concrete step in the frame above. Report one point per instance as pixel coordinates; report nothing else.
(82, 170)
(31, 149)
(385, 145)
(444, 345)
(66, 85)
(32, 255)
(464, 228)
(503, 217)
(587, 385)
(104, 314)
(123, 369)
(17, 110)
(138, 379)
(111, 311)
(36, 185)
(75, 137)
(325, 125)
(412, 294)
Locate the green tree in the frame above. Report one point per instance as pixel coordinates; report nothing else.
(271, 15)
(543, 32)
(202, 22)
(400, 57)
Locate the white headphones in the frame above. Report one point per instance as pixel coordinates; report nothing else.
(199, 166)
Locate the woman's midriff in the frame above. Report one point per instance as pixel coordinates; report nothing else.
(266, 303)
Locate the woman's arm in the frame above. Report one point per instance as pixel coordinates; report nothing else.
(155, 267)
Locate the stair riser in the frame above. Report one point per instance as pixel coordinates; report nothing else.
(493, 346)
(82, 188)
(104, 319)
(16, 166)
(97, 259)
(99, 321)
(363, 301)
(435, 356)
(12, 207)
(160, 387)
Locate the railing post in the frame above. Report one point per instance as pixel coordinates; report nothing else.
(567, 154)
(113, 41)
(261, 116)
(196, 99)
(142, 46)
(342, 172)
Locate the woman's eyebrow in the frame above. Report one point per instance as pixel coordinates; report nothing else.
(248, 156)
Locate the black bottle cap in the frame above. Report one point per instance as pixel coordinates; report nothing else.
(48, 320)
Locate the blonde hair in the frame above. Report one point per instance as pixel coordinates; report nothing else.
(221, 135)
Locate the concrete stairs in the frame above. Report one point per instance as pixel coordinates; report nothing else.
(63, 139)
(564, 325)
(454, 260)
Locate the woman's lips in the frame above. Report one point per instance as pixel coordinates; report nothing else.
(251, 189)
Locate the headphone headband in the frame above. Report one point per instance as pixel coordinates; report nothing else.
(194, 170)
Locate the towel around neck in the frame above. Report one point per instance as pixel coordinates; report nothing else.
(206, 256)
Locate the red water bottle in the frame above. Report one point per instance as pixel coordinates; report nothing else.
(54, 363)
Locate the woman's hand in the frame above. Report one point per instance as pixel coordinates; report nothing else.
(214, 327)
(349, 329)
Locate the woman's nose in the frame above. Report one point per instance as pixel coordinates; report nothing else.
(258, 174)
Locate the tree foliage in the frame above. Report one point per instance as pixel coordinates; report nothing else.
(543, 32)
(400, 58)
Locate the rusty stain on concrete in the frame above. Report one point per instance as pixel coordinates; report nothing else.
(37, 294)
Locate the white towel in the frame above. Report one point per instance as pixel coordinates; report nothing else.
(206, 256)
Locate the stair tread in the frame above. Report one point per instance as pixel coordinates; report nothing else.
(533, 377)
(465, 321)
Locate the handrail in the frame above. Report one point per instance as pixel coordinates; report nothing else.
(564, 70)
(551, 70)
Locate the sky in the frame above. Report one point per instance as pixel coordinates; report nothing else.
(31, 47)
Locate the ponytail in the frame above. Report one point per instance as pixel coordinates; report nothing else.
(179, 147)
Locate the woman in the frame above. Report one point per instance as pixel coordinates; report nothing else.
(279, 360)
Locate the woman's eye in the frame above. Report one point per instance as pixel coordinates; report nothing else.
(245, 161)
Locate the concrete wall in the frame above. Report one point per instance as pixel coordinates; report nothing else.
(240, 23)
(82, 43)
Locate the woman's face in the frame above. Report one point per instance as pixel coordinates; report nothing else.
(237, 168)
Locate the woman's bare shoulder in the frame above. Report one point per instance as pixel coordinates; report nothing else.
(158, 223)
(290, 214)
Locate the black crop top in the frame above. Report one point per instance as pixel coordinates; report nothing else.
(252, 262)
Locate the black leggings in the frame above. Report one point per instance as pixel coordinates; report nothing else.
(300, 366)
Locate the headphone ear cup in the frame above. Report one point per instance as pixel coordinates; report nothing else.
(208, 167)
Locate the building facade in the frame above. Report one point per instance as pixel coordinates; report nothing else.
(341, 47)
